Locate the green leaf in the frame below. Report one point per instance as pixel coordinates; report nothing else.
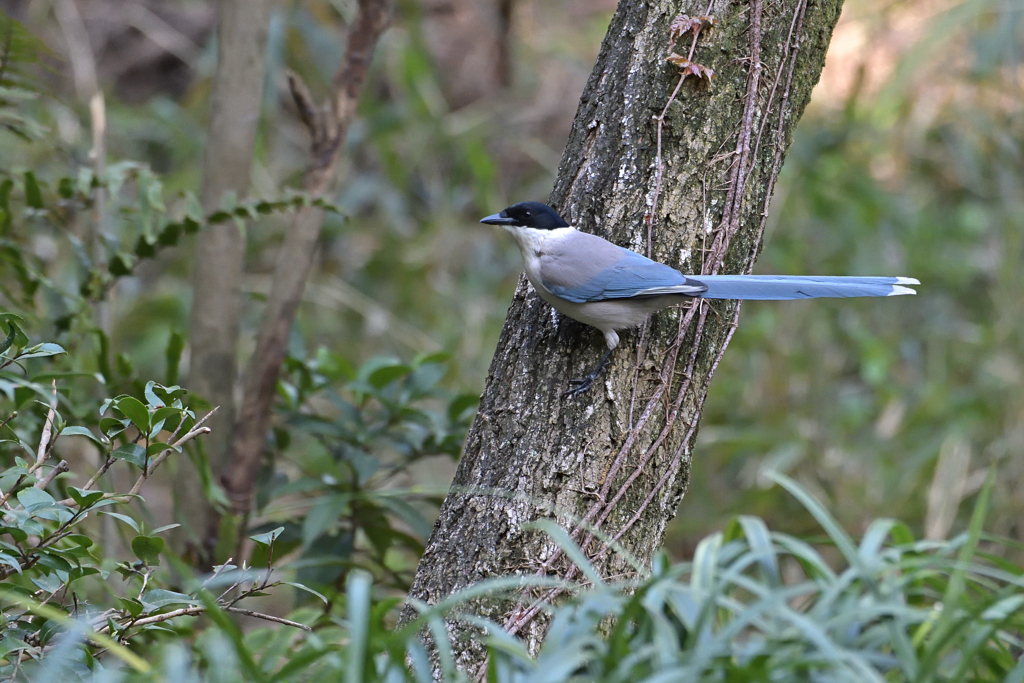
(124, 518)
(66, 188)
(10, 562)
(175, 346)
(51, 559)
(132, 606)
(80, 540)
(162, 415)
(33, 195)
(159, 598)
(121, 264)
(35, 499)
(383, 376)
(133, 453)
(11, 336)
(82, 431)
(41, 351)
(268, 537)
(111, 426)
(152, 399)
(436, 358)
(302, 587)
(157, 447)
(133, 409)
(148, 548)
(85, 499)
(459, 406)
(6, 216)
(358, 593)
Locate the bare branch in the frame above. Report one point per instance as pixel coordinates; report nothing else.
(304, 103)
(45, 438)
(99, 473)
(197, 610)
(197, 430)
(60, 468)
(267, 617)
(296, 256)
(45, 443)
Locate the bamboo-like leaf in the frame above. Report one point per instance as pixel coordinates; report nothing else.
(358, 596)
(561, 538)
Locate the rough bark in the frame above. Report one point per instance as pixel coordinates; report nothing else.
(619, 456)
(220, 249)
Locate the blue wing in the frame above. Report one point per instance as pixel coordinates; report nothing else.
(630, 275)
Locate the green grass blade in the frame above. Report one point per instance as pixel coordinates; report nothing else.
(358, 593)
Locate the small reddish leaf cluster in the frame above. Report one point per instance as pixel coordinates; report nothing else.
(684, 23)
(691, 68)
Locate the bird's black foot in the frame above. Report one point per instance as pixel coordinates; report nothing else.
(580, 386)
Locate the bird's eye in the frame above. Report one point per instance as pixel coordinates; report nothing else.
(527, 215)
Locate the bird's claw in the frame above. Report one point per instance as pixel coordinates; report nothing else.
(579, 386)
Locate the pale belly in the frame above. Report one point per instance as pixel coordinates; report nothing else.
(609, 315)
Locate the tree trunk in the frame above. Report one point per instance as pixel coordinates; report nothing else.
(618, 457)
(220, 249)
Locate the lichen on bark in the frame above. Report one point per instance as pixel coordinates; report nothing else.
(619, 457)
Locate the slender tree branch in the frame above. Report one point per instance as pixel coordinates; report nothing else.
(60, 468)
(43, 450)
(45, 440)
(327, 127)
(197, 430)
(198, 609)
(236, 99)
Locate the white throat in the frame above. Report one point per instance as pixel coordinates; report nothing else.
(532, 242)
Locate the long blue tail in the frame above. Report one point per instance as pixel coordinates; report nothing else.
(780, 287)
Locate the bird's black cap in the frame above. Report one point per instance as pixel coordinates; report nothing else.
(528, 215)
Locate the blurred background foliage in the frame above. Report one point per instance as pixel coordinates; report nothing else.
(909, 160)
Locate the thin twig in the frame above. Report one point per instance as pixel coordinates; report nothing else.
(197, 430)
(45, 443)
(197, 609)
(44, 440)
(99, 473)
(60, 468)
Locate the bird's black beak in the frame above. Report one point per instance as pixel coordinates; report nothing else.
(498, 219)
